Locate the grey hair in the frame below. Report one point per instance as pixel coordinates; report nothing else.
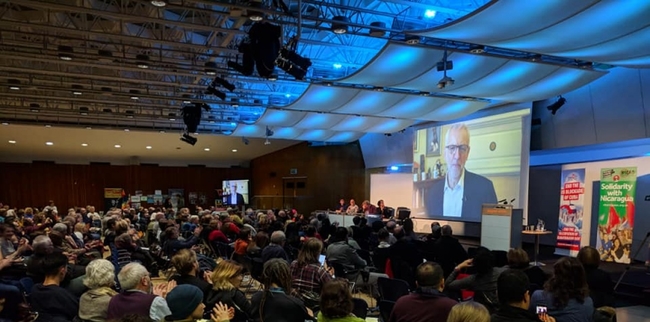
(130, 275)
(458, 127)
(61, 227)
(99, 273)
(42, 244)
(194, 217)
(278, 237)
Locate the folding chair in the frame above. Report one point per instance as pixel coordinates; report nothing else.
(391, 289)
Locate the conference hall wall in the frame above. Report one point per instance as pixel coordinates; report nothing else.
(544, 199)
(308, 177)
(33, 184)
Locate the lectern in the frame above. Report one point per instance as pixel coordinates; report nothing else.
(500, 227)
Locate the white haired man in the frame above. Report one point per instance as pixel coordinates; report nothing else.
(462, 193)
(139, 296)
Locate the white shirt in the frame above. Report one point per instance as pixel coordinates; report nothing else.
(352, 210)
(233, 198)
(452, 205)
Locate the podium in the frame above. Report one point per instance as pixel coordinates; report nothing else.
(501, 227)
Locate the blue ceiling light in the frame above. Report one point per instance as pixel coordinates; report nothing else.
(429, 14)
(337, 66)
(287, 95)
(394, 167)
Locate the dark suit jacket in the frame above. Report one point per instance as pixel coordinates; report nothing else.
(240, 200)
(478, 190)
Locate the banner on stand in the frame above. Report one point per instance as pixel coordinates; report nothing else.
(616, 214)
(112, 198)
(572, 192)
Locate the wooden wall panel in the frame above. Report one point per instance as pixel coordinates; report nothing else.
(332, 172)
(33, 184)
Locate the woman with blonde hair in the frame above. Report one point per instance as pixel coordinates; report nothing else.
(100, 278)
(226, 278)
(469, 312)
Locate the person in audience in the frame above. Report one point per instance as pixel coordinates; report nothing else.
(514, 299)
(483, 282)
(518, 259)
(404, 257)
(173, 244)
(427, 303)
(448, 251)
(275, 303)
(565, 294)
(187, 270)
(139, 297)
(185, 303)
(341, 207)
(241, 244)
(100, 279)
(7, 248)
(390, 226)
(601, 287)
(257, 245)
(469, 311)
(307, 273)
(353, 208)
(336, 303)
(52, 302)
(382, 252)
(226, 278)
(342, 254)
(216, 235)
(276, 248)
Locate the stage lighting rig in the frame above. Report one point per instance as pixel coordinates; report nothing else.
(446, 80)
(213, 91)
(192, 115)
(291, 62)
(260, 50)
(556, 105)
(224, 83)
(188, 139)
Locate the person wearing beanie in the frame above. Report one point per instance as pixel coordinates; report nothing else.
(186, 303)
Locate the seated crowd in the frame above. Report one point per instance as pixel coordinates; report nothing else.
(273, 265)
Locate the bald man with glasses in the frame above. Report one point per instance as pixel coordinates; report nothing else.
(460, 195)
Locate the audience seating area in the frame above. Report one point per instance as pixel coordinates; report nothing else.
(157, 264)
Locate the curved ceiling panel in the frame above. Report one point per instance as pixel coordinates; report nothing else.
(259, 131)
(454, 110)
(319, 121)
(395, 65)
(613, 32)
(370, 102)
(316, 135)
(280, 117)
(345, 137)
(320, 98)
(479, 76)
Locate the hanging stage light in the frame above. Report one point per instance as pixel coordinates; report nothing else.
(189, 139)
(556, 105)
(226, 84)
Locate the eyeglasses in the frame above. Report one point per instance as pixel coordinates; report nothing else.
(460, 148)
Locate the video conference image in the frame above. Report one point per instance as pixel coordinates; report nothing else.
(459, 167)
(235, 192)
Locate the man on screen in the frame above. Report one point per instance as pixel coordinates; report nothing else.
(235, 199)
(461, 193)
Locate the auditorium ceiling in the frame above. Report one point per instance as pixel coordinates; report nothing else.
(374, 66)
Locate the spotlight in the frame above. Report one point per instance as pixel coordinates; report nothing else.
(76, 89)
(255, 15)
(142, 61)
(245, 140)
(377, 29)
(65, 53)
(340, 24)
(129, 114)
(210, 68)
(158, 3)
(14, 84)
(429, 14)
(189, 139)
(186, 99)
(134, 94)
(269, 132)
(337, 65)
(445, 65)
(445, 81)
(476, 49)
(172, 116)
(192, 115)
(226, 84)
(556, 105)
(83, 111)
(413, 40)
(213, 91)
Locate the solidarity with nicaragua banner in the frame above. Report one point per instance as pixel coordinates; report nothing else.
(571, 211)
(616, 214)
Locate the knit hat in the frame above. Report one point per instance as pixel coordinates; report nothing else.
(182, 300)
